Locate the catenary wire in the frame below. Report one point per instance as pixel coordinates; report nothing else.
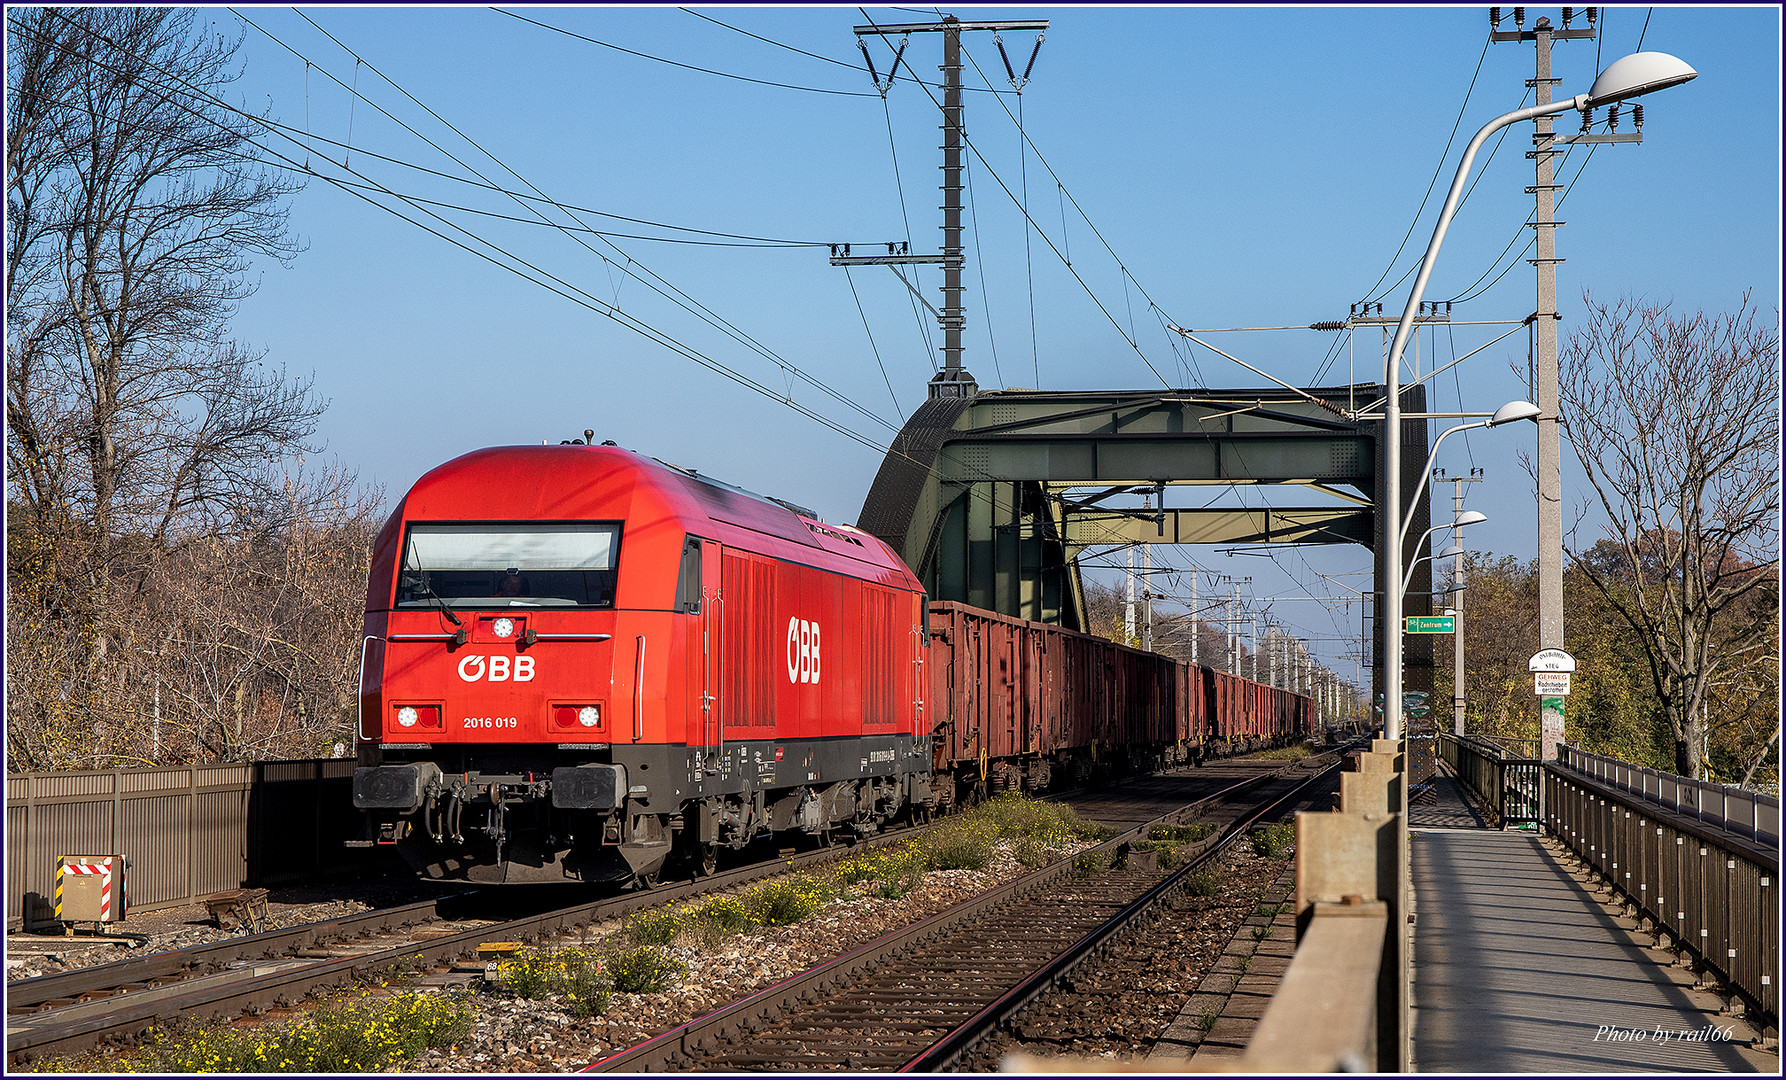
(704, 313)
(551, 283)
(679, 64)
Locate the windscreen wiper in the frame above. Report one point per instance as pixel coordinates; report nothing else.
(460, 636)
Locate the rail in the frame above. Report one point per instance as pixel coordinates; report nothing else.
(1711, 893)
(1749, 813)
(947, 1054)
(1506, 787)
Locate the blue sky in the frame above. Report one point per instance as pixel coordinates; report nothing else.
(1248, 166)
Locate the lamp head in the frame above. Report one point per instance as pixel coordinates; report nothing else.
(1514, 410)
(1638, 74)
(1470, 517)
(1451, 552)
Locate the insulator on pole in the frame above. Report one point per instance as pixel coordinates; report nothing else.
(1568, 13)
(1494, 17)
(1637, 116)
(1519, 17)
(1000, 42)
(863, 45)
(1033, 53)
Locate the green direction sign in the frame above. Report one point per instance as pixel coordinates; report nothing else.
(1432, 624)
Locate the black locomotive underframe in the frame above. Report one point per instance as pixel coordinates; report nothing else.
(489, 814)
(488, 817)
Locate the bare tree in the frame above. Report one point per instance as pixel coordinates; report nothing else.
(136, 202)
(170, 564)
(1677, 424)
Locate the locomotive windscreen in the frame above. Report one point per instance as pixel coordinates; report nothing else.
(568, 564)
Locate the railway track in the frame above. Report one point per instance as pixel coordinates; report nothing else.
(66, 1013)
(921, 998)
(58, 1015)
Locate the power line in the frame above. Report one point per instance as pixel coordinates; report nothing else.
(551, 282)
(706, 314)
(677, 63)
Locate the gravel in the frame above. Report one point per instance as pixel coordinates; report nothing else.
(515, 1035)
(32, 954)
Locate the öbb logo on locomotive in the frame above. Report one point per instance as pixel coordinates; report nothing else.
(496, 668)
(574, 671)
(803, 651)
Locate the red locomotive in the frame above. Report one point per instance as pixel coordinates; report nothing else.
(583, 664)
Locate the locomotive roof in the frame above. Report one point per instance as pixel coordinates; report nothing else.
(577, 482)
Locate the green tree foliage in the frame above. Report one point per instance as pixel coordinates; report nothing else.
(1612, 708)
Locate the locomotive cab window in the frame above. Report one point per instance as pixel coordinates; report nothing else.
(569, 564)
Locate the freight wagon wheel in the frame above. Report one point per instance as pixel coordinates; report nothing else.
(707, 860)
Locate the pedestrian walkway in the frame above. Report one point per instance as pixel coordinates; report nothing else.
(1518, 968)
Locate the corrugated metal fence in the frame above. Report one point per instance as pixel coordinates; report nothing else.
(187, 832)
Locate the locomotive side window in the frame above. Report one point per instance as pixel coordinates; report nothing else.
(567, 564)
(688, 579)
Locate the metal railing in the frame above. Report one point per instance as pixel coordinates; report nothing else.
(1507, 787)
(1712, 893)
(1747, 813)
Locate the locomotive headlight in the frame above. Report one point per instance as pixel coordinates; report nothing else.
(589, 716)
(406, 716)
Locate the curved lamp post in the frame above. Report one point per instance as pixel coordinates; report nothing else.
(1468, 517)
(1629, 77)
(1506, 414)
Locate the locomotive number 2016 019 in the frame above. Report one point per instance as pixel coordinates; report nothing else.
(490, 723)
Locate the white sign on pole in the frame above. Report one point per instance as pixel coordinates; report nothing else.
(1550, 660)
(1551, 683)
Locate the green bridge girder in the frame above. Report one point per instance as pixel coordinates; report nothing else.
(984, 492)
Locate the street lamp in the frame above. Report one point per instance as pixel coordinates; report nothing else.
(1631, 76)
(1468, 517)
(1506, 414)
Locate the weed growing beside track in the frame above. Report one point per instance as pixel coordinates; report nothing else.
(1037, 833)
(1274, 841)
(367, 1036)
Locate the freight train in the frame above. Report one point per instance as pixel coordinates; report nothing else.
(581, 664)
